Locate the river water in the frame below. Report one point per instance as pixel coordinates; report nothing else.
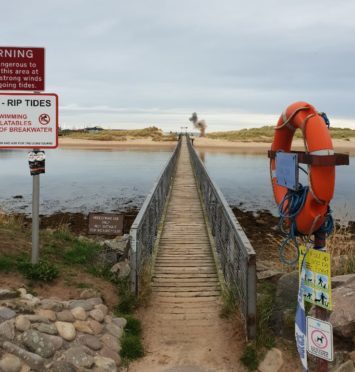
(101, 180)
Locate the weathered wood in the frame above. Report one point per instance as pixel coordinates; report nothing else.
(185, 283)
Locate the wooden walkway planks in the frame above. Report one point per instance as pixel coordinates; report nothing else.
(184, 250)
(182, 325)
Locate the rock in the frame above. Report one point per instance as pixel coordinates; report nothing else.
(33, 360)
(121, 269)
(25, 368)
(111, 342)
(55, 340)
(10, 363)
(62, 366)
(282, 316)
(120, 322)
(108, 319)
(340, 357)
(7, 330)
(352, 356)
(343, 314)
(95, 326)
(54, 305)
(102, 308)
(6, 314)
(50, 329)
(272, 362)
(22, 323)
(97, 314)
(120, 245)
(38, 343)
(37, 319)
(346, 367)
(79, 313)
(108, 353)
(103, 364)
(49, 314)
(91, 341)
(22, 291)
(31, 299)
(89, 293)
(66, 330)
(65, 316)
(343, 280)
(273, 275)
(78, 357)
(114, 330)
(94, 301)
(6, 294)
(82, 326)
(80, 303)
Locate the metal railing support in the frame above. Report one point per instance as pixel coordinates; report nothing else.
(144, 230)
(235, 253)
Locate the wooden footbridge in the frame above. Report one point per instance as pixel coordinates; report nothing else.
(187, 242)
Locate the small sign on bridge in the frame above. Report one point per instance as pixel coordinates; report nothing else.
(105, 224)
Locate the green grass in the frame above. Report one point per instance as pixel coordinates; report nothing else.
(133, 326)
(43, 271)
(265, 339)
(128, 301)
(121, 135)
(250, 357)
(132, 347)
(266, 134)
(229, 306)
(8, 264)
(81, 252)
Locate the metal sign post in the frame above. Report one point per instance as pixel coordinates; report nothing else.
(36, 160)
(35, 219)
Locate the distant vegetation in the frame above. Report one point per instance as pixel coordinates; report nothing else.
(266, 134)
(154, 133)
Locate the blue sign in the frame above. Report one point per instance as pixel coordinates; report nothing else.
(287, 170)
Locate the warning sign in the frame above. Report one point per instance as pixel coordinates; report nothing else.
(317, 278)
(28, 120)
(21, 68)
(320, 338)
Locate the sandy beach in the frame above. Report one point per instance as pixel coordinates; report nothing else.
(343, 146)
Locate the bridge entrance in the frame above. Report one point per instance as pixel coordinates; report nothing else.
(182, 326)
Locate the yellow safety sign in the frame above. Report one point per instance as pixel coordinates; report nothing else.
(316, 277)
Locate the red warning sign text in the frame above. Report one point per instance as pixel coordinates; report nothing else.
(22, 68)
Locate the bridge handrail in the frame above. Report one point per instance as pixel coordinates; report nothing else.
(236, 255)
(143, 232)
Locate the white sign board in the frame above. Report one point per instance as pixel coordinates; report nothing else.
(320, 338)
(28, 120)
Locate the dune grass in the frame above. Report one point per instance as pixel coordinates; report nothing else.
(153, 133)
(266, 134)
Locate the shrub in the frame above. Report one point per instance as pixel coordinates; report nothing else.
(7, 264)
(42, 271)
(131, 347)
(133, 326)
(250, 358)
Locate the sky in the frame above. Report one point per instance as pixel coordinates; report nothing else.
(238, 64)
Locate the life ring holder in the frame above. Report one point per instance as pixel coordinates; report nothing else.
(319, 156)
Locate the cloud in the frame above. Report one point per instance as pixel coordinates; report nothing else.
(225, 56)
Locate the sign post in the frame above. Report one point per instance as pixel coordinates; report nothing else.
(35, 219)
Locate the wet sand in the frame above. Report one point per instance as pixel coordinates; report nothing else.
(344, 146)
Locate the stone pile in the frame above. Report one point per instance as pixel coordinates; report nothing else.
(59, 336)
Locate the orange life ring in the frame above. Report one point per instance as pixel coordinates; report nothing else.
(317, 140)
